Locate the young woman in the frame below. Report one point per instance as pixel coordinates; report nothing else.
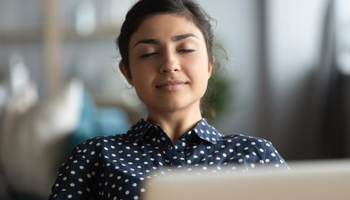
(166, 49)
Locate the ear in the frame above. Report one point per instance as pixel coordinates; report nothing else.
(210, 68)
(126, 74)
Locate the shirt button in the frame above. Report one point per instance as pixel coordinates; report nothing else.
(170, 147)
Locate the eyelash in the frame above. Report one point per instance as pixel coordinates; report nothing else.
(187, 50)
(147, 55)
(183, 50)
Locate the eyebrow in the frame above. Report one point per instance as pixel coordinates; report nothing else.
(174, 39)
(183, 36)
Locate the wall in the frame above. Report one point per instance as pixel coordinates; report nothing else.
(274, 49)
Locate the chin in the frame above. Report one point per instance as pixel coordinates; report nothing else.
(176, 106)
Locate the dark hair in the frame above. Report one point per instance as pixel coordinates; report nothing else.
(143, 9)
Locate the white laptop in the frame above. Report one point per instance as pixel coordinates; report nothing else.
(306, 181)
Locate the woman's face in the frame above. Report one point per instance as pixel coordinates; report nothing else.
(168, 63)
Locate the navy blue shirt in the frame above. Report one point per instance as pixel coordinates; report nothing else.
(114, 167)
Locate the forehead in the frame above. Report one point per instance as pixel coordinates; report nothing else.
(163, 27)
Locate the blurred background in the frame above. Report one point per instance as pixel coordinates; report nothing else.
(287, 80)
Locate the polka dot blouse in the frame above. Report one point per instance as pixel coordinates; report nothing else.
(114, 167)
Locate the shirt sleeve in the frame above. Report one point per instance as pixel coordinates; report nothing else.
(272, 158)
(75, 178)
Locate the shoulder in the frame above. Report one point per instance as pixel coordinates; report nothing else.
(244, 140)
(260, 148)
(102, 141)
(100, 146)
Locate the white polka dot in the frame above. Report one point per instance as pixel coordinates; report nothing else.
(127, 192)
(70, 196)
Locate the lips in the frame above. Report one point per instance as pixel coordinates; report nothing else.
(171, 85)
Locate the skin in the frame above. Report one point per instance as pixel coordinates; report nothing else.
(169, 69)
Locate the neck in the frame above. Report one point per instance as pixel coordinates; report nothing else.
(175, 123)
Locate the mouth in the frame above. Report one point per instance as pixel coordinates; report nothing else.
(171, 85)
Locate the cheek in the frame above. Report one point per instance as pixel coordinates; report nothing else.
(141, 77)
(200, 69)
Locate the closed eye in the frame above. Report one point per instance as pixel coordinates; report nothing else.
(187, 50)
(148, 55)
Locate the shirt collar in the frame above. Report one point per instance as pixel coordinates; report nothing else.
(206, 132)
(203, 130)
(138, 130)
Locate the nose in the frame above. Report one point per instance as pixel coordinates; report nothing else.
(169, 64)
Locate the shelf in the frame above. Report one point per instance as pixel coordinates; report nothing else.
(21, 34)
(35, 34)
(101, 32)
